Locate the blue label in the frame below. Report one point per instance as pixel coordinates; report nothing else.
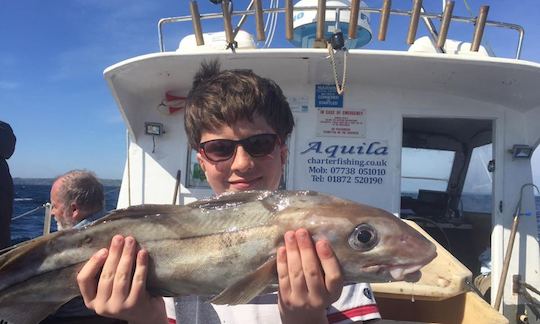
(326, 96)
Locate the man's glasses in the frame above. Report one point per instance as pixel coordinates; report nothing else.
(223, 149)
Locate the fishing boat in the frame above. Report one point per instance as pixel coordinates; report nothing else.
(399, 130)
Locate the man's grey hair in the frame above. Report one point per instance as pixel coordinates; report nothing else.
(83, 188)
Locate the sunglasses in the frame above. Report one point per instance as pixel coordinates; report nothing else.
(223, 149)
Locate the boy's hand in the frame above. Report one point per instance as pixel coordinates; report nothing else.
(309, 277)
(117, 293)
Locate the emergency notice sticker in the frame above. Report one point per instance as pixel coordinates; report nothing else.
(341, 122)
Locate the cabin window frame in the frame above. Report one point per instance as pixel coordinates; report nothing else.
(445, 180)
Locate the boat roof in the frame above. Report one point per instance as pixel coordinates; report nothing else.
(425, 72)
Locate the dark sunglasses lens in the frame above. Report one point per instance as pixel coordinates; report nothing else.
(260, 145)
(219, 149)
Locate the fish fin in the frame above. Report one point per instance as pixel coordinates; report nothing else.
(249, 287)
(140, 211)
(225, 200)
(26, 313)
(187, 219)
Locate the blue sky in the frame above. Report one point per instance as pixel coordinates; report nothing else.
(53, 53)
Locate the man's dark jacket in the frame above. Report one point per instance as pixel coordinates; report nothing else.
(7, 147)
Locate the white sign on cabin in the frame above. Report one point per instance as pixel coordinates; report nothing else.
(341, 123)
(348, 166)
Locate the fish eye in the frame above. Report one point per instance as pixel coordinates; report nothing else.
(363, 238)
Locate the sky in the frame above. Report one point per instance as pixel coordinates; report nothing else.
(53, 53)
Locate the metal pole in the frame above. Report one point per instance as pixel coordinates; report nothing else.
(509, 248)
(479, 28)
(289, 19)
(227, 21)
(385, 15)
(321, 18)
(242, 20)
(177, 185)
(445, 23)
(353, 21)
(431, 28)
(128, 168)
(196, 20)
(413, 26)
(259, 21)
(47, 219)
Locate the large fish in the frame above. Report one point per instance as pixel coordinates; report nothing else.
(222, 247)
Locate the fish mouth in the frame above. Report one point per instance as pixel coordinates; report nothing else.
(401, 272)
(409, 272)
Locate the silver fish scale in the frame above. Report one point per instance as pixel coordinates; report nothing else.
(215, 259)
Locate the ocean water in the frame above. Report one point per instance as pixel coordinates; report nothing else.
(31, 196)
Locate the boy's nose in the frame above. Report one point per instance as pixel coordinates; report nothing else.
(242, 161)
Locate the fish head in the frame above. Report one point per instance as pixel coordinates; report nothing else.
(371, 244)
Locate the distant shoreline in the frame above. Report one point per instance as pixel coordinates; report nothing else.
(118, 182)
(49, 181)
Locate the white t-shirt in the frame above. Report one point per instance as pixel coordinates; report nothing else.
(355, 304)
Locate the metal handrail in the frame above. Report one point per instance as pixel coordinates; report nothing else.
(46, 225)
(47, 216)
(46, 219)
(423, 15)
(28, 212)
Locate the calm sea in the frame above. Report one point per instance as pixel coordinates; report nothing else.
(31, 196)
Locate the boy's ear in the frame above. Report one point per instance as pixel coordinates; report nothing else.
(201, 161)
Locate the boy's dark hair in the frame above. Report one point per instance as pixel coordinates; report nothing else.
(218, 98)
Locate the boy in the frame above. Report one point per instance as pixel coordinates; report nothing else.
(238, 122)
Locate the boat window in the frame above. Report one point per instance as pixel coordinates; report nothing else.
(478, 184)
(426, 169)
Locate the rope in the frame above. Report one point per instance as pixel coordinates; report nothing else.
(28, 212)
(340, 89)
(472, 287)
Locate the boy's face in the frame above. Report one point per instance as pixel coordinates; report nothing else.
(242, 171)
